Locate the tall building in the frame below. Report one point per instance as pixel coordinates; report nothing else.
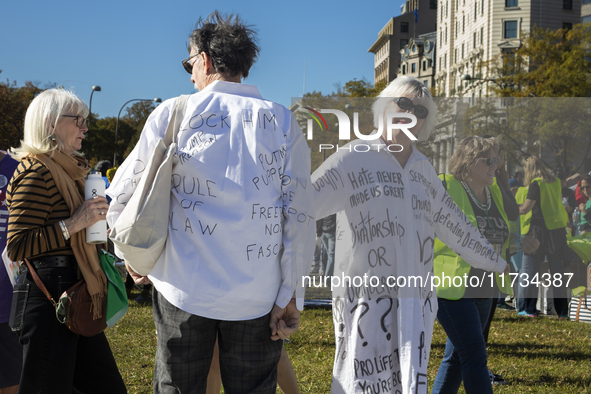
(471, 33)
(417, 17)
(586, 11)
(417, 58)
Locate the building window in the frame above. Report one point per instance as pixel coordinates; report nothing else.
(457, 27)
(447, 3)
(440, 38)
(433, 4)
(404, 27)
(587, 19)
(424, 65)
(509, 61)
(567, 4)
(475, 9)
(567, 25)
(510, 29)
(482, 7)
(426, 83)
(403, 69)
(403, 43)
(510, 3)
(481, 35)
(586, 1)
(462, 50)
(446, 34)
(455, 55)
(413, 68)
(445, 60)
(474, 41)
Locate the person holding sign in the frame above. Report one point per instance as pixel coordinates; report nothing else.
(466, 300)
(544, 216)
(385, 305)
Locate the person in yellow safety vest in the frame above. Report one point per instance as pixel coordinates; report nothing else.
(512, 211)
(585, 209)
(465, 295)
(542, 214)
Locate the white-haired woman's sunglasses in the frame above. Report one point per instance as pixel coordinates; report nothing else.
(407, 104)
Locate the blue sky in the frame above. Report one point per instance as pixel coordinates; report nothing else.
(134, 49)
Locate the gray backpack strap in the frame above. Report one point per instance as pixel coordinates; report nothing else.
(175, 120)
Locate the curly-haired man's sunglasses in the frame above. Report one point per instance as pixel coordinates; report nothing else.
(187, 64)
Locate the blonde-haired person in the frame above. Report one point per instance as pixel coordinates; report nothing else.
(543, 214)
(393, 203)
(464, 309)
(47, 217)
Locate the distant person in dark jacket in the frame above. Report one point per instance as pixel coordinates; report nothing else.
(326, 231)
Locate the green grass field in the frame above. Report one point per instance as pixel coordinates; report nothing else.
(540, 355)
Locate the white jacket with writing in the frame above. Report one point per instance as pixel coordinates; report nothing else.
(241, 227)
(389, 217)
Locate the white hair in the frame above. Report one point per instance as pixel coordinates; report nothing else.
(42, 118)
(406, 87)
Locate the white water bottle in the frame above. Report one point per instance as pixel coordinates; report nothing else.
(95, 186)
(576, 217)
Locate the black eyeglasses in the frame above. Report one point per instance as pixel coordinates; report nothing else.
(80, 120)
(407, 104)
(490, 160)
(585, 187)
(187, 64)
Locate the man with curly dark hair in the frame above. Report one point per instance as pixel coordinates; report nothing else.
(241, 224)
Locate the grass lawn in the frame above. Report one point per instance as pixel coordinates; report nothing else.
(540, 355)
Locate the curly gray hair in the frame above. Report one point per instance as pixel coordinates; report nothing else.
(230, 43)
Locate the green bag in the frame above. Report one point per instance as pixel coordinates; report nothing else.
(116, 294)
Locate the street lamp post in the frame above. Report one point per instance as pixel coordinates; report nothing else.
(156, 100)
(94, 89)
(453, 133)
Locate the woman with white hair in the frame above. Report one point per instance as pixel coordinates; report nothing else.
(48, 215)
(393, 203)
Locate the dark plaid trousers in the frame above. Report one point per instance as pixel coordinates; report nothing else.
(248, 356)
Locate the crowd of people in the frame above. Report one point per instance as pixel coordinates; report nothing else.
(227, 289)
